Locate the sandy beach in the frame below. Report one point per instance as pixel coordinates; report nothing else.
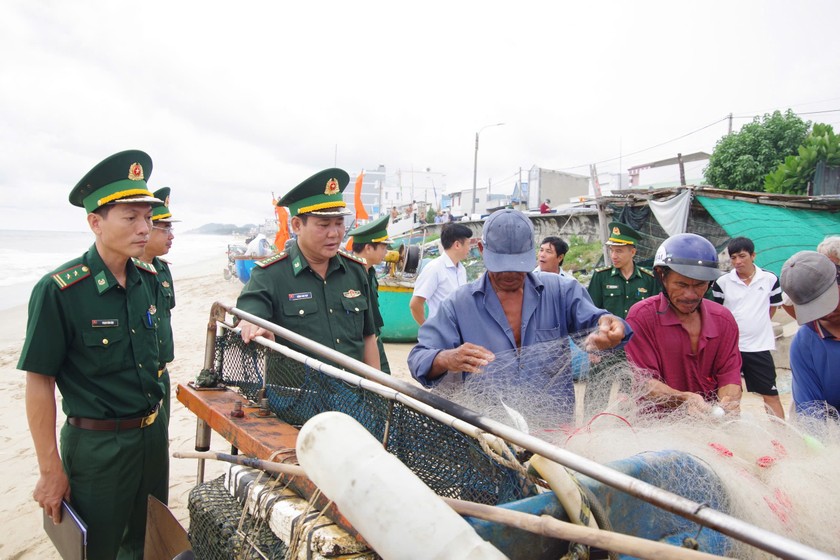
(25, 538)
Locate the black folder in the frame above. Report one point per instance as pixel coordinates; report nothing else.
(70, 536)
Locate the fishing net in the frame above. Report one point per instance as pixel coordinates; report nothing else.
(777, 475)
(449, 462)
(215, 531)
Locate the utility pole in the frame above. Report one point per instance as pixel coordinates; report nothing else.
(682, 169)
(730, 124)
(602, 214)
(475, 163)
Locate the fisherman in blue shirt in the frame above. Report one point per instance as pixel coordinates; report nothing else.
(509, 308)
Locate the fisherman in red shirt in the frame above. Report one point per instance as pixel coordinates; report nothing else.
(687, 343)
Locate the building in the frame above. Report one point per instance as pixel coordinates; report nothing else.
(558, 186)
(666, 172)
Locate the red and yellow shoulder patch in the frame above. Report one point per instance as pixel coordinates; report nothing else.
(268, 261)
(70, 276)
(141, 265)
(353, 257)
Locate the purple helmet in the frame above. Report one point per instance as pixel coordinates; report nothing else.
(690, 255)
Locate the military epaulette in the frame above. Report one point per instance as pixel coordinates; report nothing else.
(353, 257)
(268, 261)
(603, 269)
(67, 278)
(646, 271)
(144, 266)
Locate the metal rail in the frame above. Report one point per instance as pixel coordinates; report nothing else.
(781, 546)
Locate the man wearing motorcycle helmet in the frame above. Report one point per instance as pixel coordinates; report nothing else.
(688, 344)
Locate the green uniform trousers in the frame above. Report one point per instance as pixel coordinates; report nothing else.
(111, 475)
(383, 359)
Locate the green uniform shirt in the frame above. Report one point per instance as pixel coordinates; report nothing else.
(335, 311)
(609, 290)
(98, 339)
(165, 303)
(378, 320)
(374, 298)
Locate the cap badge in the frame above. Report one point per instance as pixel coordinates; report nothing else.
(332, 187)
(166, 202)
(616, 231)
(135, 172)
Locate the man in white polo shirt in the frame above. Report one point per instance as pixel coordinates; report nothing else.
(443, 275)
(753, 295)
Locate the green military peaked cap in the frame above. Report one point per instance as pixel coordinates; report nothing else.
(120, 178)
(622, 234)
(162, 213)
(372, 232)
(321, 195)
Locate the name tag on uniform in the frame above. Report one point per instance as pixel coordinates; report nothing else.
(104, 323)
(609, 287)
(301, 295)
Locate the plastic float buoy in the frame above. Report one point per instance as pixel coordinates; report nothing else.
(398, 515)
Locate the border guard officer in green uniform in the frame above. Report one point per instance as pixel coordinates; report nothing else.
(616, 288)
(93, 332)
(370, 242)
(160, 242)
(312, 288)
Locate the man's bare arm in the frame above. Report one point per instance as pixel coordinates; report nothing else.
(52, 485)
(664, 395)
(415, 305)
(730, 398)
(371, 352)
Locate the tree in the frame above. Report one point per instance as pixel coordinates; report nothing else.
(794, 175)
(743, 159)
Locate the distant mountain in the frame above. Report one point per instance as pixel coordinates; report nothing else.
(224, 229)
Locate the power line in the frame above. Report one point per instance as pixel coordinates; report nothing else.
(648, 148)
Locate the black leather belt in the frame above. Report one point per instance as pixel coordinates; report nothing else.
(115, 424)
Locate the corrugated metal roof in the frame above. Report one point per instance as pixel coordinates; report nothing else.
(777, 232)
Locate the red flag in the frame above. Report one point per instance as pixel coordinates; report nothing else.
(361, 213)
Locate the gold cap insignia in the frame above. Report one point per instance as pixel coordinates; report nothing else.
(332, 187)
(135, 172)
(616, 231)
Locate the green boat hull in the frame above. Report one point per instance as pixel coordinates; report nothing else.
(400, 326)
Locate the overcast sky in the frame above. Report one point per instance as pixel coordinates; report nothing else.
(236, 100)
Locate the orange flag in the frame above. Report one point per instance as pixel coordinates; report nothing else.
(361, 213)
(282, 236)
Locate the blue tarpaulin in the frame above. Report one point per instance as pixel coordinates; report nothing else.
(777, 232)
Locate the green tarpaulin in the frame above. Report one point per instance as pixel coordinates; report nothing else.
(777, 232)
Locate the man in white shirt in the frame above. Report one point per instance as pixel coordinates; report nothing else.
(753, 295)
(550, 256)
(443, 275)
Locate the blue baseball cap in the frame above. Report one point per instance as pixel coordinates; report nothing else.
(508, 241)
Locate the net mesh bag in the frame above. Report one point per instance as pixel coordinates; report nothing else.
(449, 462)
(215, 533)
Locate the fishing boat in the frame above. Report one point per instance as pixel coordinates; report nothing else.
(373, 429)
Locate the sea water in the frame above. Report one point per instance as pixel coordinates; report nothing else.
(26, 256)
